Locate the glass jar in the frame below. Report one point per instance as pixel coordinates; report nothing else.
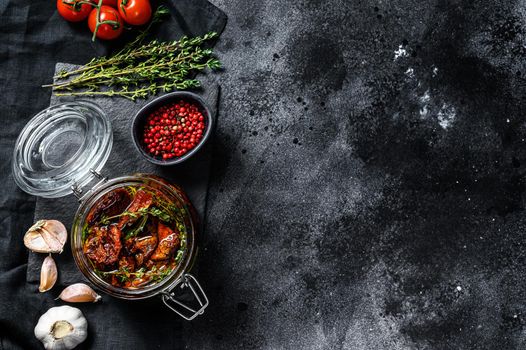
(61, 150)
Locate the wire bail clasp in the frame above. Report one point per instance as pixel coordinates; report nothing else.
(77, 190)
(182, 309)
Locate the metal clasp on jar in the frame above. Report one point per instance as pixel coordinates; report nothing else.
(181, 308)
(77, 190)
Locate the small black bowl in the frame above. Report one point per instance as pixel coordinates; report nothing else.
(140, 119)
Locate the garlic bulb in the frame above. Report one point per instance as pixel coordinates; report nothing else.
(61, 328)
(48, 274)
(79, 293)
(46, 236)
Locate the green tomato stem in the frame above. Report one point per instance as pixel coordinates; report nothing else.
(98, 21)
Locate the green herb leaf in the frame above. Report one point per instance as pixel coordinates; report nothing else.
(161, 214)
(134, 232)
(85, 233)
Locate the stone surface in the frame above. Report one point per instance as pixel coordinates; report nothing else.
(367, 183)
(367, 187)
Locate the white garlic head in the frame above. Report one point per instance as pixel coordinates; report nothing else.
(61, 328)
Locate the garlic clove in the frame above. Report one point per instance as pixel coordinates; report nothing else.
(48, 274)
(46, 236)
(35, 242)
(55, 234)
(79, 293)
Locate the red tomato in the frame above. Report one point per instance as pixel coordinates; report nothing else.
(135, 12)
(72, 11)
(112, 3)
(106, 31)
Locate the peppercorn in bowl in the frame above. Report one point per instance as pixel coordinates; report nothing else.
(172, 128)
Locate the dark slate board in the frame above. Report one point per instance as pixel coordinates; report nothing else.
(192, 175)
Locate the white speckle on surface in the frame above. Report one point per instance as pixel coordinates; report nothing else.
(435, 71)
(507, 120)
(423, 111)
(424, 99)
(446, 116)
(401, 52)
(410, 72)
(459, 288)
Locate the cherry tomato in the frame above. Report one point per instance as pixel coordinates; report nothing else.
(106, 31)
(135, 12)
(73, 10)
(112, 3)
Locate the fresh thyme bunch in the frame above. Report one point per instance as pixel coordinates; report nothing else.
(138, 71)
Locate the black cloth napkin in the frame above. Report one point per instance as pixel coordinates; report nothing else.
(33, 37)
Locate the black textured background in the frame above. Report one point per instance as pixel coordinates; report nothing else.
(369, 191)
(367, 187)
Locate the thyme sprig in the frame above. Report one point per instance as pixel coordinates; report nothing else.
(138, 229)
(161, 214)
(101, 62)
(124, 274)
(140, 71)
(85, 232)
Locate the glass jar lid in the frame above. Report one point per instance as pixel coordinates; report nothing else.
(59, 146)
